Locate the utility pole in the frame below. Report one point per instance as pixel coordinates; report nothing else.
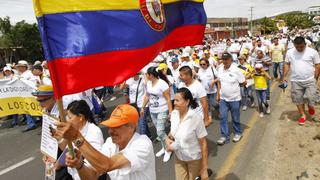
(251, 19)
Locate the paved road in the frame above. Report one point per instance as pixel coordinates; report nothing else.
(20, 157)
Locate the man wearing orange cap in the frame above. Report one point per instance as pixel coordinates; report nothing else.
(125, 155)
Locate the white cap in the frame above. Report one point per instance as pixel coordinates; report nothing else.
(37, 62)
(185, 54)
(159, 59)
(258, 66)
(7, 68)
(22, 63)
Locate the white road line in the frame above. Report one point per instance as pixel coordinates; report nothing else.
(8, 169)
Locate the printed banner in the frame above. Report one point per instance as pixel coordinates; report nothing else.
(16, 98)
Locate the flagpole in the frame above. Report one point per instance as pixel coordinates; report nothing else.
(63, 119)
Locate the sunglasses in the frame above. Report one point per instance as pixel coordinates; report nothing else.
(44, 100)
(203, 64)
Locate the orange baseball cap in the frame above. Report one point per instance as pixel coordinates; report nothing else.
(121, 115)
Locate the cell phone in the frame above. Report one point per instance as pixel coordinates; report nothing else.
(62, 158)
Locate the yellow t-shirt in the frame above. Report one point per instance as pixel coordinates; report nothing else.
(277, 52)
(245, 69)
(260, 82)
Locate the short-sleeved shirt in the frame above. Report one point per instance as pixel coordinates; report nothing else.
(302, 64)
(206, 76)
(133, 86)
(187, 134)
(139, 152)
(277, 52)
(260, 61)
(230, 80)
(198, 91)
(157, 101)
(93, 135)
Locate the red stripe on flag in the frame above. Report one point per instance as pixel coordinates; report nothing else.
(76, 74)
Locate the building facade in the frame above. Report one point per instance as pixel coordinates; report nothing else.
(314, 10)
(220, 28)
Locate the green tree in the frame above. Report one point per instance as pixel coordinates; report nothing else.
(300, 20)
(23, 35)
(266, 25)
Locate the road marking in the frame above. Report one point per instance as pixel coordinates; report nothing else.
(237, 149)
(8, 169)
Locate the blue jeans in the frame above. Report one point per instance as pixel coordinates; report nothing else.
(159, 121)
(234, 108)
(277, 66)
(262, 99)
(15, 119)
(246, 95)
(143, 122)
(212, 101)
(30, 121)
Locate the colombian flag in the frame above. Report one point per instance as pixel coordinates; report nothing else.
(90, 43)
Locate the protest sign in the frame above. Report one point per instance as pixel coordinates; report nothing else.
(16, 98)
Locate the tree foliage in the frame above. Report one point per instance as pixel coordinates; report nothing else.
(300, 20)
(22, 35)
(267, 25)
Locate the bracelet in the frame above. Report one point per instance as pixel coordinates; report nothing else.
(80, 166)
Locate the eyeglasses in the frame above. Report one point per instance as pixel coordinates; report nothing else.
(203, 64)
(44, 100)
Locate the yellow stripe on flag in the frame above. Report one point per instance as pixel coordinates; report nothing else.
(20, 105)
(42, 7)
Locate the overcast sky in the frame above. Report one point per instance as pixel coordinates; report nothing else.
(19, 10)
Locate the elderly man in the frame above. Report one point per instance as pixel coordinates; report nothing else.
(125, 155)
(23, 71)
(26, 74)
(304, 63)
(229, 95)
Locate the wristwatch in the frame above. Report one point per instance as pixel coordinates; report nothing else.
(78, 142)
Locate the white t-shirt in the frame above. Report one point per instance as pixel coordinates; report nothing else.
(157, 102)
(197, 91)
(206, 76)
(187, 134)
(93, 135)
(230, 79)
(176, 75)
(302, 63)
(85, 95)
(139, 152)
(133, 85)
(27, 75)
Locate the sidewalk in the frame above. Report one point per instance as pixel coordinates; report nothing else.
(287, 150)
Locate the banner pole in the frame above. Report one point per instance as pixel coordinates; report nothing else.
(63, 119)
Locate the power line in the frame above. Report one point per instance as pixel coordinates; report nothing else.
(251, 18)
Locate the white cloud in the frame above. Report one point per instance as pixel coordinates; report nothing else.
(19, 10)
(241, 8)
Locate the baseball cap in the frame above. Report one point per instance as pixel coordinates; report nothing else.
(242, 57)
(7, 68)
(174, 60)
(185, 55)
(22, 63)
(162, 66)
(258, 66)
(226, 56)
(283, 85)
(43, 90)
(121, 115)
